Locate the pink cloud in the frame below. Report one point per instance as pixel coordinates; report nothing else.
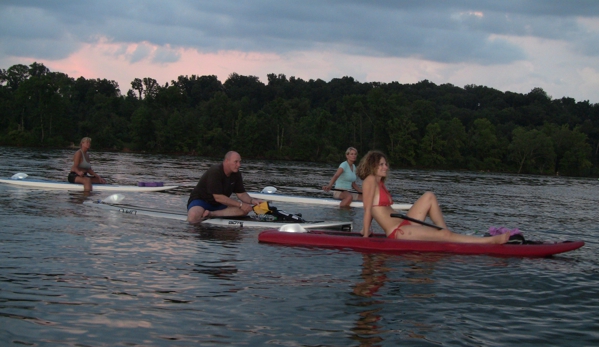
(113, 62)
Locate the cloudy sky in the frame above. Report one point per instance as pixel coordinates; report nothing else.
(510, 45)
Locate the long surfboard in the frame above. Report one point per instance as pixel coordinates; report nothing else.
(47, 184)
(241, 222)
(380, 243)
(314, 201)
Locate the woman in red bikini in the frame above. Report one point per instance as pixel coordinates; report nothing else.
(377, 205)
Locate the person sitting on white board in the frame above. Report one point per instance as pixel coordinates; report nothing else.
(345, 179)
(377, 205)
(81, 171)
(211, 196)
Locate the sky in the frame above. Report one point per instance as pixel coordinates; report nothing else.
(509, 45)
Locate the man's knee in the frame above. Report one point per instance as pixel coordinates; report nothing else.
(194, 215)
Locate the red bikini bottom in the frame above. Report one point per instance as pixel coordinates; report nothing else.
(392, 235)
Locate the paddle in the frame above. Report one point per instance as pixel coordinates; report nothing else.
(304, 189)
(318, 190)
(403, 216)
(345, 190)
(395, 197)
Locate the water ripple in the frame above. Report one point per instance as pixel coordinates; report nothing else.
(71, 275)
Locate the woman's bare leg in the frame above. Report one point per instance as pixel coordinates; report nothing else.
(346, 199)
(427, 205)
(423, 233)
(86, 181)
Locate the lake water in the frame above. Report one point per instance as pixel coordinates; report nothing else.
(73, 275)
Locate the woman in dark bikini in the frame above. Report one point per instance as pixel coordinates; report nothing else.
(377, 205)
(81, 171)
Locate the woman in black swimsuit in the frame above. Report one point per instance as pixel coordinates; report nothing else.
(81, 171)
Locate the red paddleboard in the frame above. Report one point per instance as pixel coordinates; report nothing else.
(380, 243)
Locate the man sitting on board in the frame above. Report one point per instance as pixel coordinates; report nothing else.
(211, 196)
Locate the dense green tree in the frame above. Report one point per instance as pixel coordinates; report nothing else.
(402, 145)
(43, 100)
(454, 136)
(238, 87)
(432, 146)
(483, 146)
(419, 124)
(138, 86)
(313, 137)
(253, 135)
(150, 88)
(14, 76)
(532, 149)
(220, 112)
(198, 88)
(175, 132)
(143, 132)
(351, 121)
(571, 148)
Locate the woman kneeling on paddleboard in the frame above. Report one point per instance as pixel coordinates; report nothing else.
(345, 179)
(377, 201)
(81, 171)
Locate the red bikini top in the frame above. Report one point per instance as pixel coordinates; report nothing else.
(384, 196)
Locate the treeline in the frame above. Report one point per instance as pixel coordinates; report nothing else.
(420, 125)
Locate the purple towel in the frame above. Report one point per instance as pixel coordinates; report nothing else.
(150, 184)
(502, 230)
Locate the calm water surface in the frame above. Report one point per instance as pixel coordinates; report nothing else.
(80, 276)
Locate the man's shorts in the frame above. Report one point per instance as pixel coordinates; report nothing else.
(206, 205)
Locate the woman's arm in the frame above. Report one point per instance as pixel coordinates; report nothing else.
(91, 172)
(96, 177)
(333, 180)
(356, 187)
(368, 192)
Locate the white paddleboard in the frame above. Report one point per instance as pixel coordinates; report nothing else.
(315, 201)
(45, 184)
(240, 222)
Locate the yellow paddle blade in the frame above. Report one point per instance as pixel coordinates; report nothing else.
(262, 208)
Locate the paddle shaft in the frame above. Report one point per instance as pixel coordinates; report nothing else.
(345, 190)
(403, 216)
(356, 192)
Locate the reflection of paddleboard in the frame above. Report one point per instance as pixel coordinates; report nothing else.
(45, 184)
(248, 222)
(314, 201)
(380, 243)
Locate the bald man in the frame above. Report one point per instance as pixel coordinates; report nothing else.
(211, 196)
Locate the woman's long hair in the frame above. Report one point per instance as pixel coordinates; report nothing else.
(369, 164)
